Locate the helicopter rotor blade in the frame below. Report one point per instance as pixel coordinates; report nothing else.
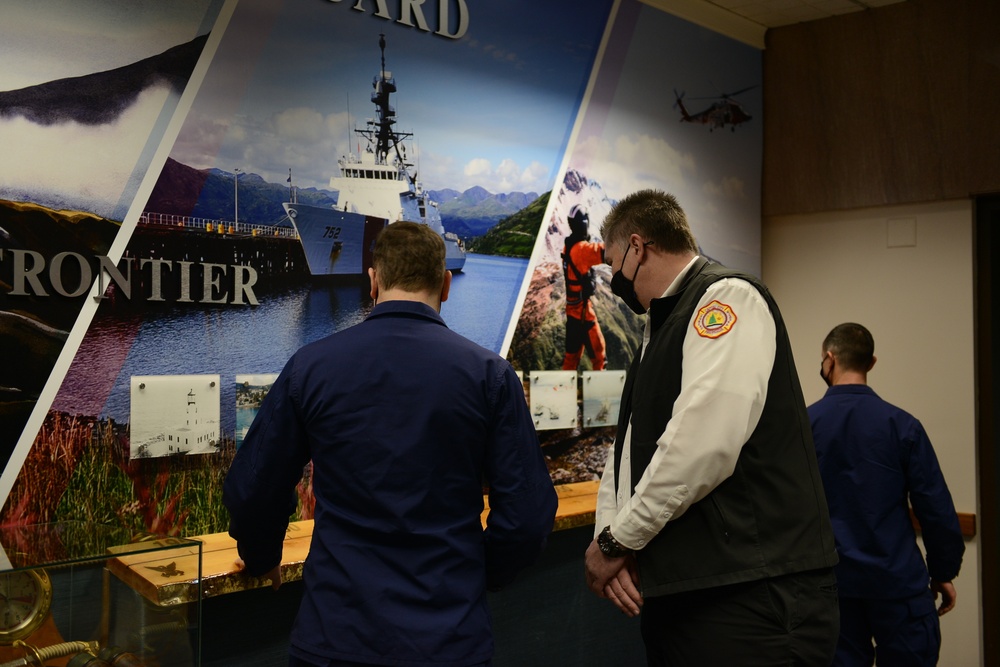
(742, 90)
(725, 96)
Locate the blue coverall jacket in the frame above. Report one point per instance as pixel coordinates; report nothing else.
(405, 422)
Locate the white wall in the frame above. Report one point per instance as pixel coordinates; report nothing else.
(906, 273)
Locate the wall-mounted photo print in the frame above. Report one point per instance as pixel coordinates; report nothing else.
(602, 392)
(553, 399)
(173, 415)
(250, 393)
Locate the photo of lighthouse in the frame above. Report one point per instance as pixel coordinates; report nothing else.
(174, 415)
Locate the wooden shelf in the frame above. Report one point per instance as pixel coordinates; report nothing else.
(967, 522)
(170, 578)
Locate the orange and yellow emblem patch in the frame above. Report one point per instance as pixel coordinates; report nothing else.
(714, 320)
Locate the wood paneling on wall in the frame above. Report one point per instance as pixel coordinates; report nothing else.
(892, 105)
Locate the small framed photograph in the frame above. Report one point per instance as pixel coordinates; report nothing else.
(173, 415)
(602, 395)
(250, 393)
(553, 399)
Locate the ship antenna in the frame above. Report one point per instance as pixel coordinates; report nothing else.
(381, 46)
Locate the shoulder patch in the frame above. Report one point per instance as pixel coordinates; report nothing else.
(714, 320)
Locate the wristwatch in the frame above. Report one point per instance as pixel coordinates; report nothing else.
(609, 546)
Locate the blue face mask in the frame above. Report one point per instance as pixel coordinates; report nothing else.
(624, 288)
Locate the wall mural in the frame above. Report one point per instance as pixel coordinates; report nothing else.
(180, 214)
(635, 131)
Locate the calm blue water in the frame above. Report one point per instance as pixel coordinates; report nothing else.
(233, 340)
(244, 417)
(483, 297)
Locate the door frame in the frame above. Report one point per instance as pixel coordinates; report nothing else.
(986, 290)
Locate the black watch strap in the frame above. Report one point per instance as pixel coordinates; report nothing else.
(609, 546)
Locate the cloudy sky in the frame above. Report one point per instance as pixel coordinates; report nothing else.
(69, 165)
(55, 39)
(493, 108)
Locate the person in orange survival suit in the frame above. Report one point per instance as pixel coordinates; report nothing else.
(579, 256)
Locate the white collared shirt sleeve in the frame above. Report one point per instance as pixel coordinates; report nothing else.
(723, 389)
(607, 506)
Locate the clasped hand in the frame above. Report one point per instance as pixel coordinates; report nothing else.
(616, 579)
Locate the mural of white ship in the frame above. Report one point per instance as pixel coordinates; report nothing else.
(376, 188)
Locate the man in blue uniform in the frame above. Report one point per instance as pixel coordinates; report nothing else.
(405, 422)
(876, 460)
(710, 514)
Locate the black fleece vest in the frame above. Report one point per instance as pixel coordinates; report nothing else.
(770, 517)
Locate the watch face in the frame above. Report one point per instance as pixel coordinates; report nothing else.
(604, 543)
(608, 546)
(25, 598)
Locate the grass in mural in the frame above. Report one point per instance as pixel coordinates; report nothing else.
(159, 496)
(79, 470)
(47, 470)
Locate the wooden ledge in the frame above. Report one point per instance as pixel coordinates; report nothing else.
(171, 577)
(967, 522)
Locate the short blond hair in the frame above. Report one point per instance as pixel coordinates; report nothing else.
(409, 256)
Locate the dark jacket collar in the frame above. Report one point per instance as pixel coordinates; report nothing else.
(849, 389)
(406, 309)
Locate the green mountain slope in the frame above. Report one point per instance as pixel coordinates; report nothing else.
(513, 236)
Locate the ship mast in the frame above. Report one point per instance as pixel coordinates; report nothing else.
(380, 132)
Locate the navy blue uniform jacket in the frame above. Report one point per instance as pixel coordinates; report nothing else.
(405, 421)
(876, 461)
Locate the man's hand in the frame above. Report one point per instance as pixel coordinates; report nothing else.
(613, 578)
(274, 574)
(948, 595)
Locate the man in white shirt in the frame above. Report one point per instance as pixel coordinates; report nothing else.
(711, 517)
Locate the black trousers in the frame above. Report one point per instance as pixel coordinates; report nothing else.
(789, 620)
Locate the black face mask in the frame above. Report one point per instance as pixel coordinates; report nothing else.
(624, 288)
(827, 377)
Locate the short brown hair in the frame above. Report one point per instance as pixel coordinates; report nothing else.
(654, 215)
(409, 256)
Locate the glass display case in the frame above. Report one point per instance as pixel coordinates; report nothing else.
(86, 595)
